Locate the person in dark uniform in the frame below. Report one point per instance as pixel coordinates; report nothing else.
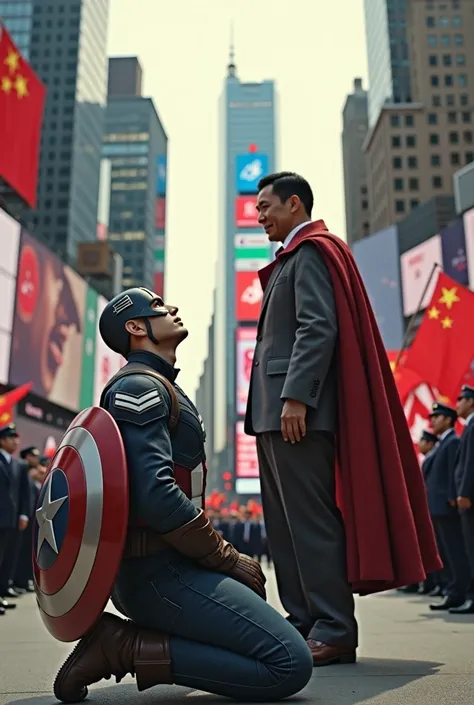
(464, 479)
(441, 491)
(23, 580)
(14, 510)
(198, 617)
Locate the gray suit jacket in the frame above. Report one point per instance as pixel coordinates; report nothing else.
(296, 339)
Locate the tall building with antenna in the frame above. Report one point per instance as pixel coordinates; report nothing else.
(247, 151)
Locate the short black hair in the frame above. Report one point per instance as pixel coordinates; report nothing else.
(286, 184)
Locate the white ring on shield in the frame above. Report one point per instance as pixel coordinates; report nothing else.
(61, 602)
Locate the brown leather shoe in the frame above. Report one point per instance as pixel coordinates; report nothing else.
(326, 655)
(114, 647)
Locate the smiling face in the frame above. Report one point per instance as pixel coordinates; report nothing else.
(278, 218)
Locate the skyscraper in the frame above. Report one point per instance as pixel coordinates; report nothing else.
(247, 152)
(387, 54)
(65, 42)
(354, 131)
(135, 142)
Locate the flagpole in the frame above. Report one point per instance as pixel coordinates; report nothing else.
(413, 319)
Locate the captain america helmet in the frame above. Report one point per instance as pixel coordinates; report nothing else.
(130, 304)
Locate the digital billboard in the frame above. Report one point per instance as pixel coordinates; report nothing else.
(48, 327)
(86, 398)
(377, 258)
(251, 252)
(10, 243)
(453, 246)
(107, 362)
(246, 215)
(248, 296)
(416, 268)
(250, 168)
(160, 213)
(245, 347)
(468, 219)
(246, 460)
(161, 175)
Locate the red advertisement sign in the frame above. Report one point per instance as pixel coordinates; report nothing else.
(245, 347)
(160, 213)
(248, 296)
(246, 460)
(246, 215)
(158, 283)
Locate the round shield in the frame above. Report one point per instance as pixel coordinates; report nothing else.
(80, 525)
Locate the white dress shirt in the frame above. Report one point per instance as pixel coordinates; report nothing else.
(291, 235)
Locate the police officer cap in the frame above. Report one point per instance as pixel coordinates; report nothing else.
(467, 392)
(132, 303)
(31, 450)
(429, 437)
(9, 431)
(444, 410)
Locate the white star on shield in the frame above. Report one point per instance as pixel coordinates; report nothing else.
(45, 515)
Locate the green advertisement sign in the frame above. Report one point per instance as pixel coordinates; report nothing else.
(88, 349)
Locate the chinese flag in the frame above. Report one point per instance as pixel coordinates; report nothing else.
(8, 401)
(443, 347)
(22, 98)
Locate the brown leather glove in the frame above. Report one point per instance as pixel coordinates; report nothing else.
(199, 540)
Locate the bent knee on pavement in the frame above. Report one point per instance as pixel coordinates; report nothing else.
(286, 670)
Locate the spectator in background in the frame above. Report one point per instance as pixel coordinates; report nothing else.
(15, 501)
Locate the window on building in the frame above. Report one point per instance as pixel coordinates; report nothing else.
(365, 205)
(459, 40)
(436, 101)
(457, 21)
(434, 138)
(469, 157)
(413, 184)
(430, 21)
(395, 120)
(449, 79)
(445, 40)
(409, 120)
(460, 59)
(450, 99)
(447, 60)
(452, 118)
(396, 141)
(398, 184)
(414, 203)
(433, 60)
(432, 118)
(411, 141)
(437, 181)
(464, 99)
(432, 40)
(444, 22)
(462, 80)
(434, 80)
(467, 136)
(400, 206)
(412, 162)
(397, 162)
(455, 158)
(466, 117)
(454, 138)
(435, 160)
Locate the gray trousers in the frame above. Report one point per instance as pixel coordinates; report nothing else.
(306, 535)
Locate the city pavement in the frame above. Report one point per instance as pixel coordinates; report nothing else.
(407, 656)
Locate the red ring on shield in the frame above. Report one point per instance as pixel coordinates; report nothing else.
(73, 592)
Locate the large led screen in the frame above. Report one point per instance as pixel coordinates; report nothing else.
(246, 460)
(377, 257)
(248, 296)
(9, 245)
(453, 246)
(48, 328)
(417, 267)
(245, 347)
(107, 362)
(469, 238)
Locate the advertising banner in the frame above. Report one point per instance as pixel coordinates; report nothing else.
(246, 215)
(245, 347)
(377, 257)
(107, 362)
(250, 264)
(158, 283)
(258, 241)
(161, 175)
(416, 267)
(88, 350)
(248, 296)
(246, 460)
(10, 244)
(250, 168)
(48, 328)
(160, 213)
(469, 239)
(453, 246)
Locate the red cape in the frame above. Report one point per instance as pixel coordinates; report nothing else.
(381, 493)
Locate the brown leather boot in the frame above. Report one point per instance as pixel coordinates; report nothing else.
(114, 647)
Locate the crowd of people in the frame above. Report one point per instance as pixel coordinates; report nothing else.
(243, 528)
(21, 476)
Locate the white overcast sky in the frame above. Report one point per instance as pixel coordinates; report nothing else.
(312, 49)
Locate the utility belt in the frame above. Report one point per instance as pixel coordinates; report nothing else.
(142, 541)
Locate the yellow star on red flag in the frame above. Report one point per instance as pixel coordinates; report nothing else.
(433, 312)
(12, 60)
(447, 322)
(449, 297)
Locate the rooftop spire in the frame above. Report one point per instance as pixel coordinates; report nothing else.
(231, 67)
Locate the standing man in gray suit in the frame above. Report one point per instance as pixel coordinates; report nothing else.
(292, 409)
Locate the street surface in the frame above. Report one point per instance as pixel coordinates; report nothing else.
(408, 656)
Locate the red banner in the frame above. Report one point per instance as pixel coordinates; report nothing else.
(246, 215)
(160, 213)
(246, 460)
(248, 296)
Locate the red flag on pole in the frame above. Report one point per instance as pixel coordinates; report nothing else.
(8, 401)
(22, 98)
(444, 344)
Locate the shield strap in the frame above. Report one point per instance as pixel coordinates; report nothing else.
(134, 368)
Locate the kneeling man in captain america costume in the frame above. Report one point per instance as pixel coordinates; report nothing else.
(197, 609)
